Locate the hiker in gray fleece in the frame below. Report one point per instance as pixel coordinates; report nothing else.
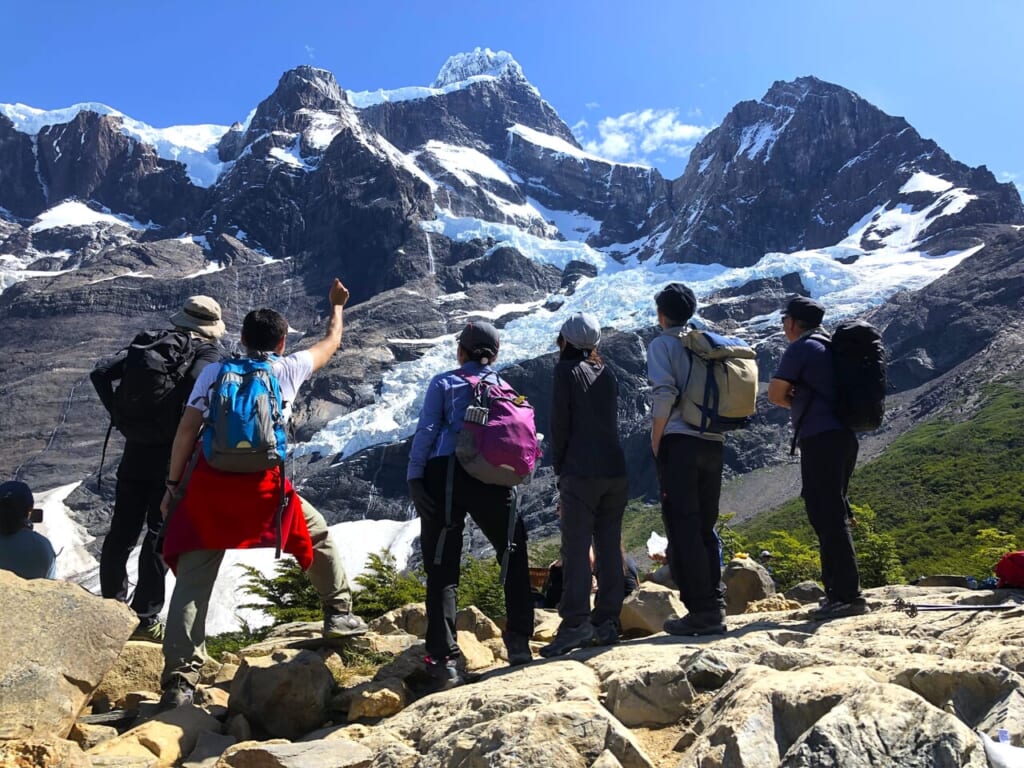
(689, 467)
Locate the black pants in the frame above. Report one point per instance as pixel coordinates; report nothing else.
(826, 465)
(592, 510)
(140, 488)
(490, 507)
(690, 474)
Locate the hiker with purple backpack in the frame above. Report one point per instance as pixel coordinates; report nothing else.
(474, 442)
(593, 487)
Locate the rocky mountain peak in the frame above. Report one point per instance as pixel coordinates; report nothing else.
(479, 61)
(301, 88)
(792, 93)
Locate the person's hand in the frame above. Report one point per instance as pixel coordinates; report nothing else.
(339, 293)
(165, 504)
(421, 498)
(655, 444)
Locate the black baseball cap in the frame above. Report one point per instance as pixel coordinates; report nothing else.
(805, 310)
(16, 496)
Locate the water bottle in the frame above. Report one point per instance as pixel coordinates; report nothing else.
(1004, 736)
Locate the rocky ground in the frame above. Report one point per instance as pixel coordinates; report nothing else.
(884, 689)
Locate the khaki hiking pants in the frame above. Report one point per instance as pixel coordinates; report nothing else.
(185, 638)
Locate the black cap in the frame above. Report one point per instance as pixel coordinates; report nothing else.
(480, 339)
(676, 302)
(16, 497)
(806, 311)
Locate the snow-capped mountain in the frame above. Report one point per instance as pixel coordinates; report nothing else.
(468, 197)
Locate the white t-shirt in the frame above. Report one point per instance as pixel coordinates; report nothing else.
(291, 372)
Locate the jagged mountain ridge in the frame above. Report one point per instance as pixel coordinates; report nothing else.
(394, 196)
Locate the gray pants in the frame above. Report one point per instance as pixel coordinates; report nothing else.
(185, 638)
(592, 510)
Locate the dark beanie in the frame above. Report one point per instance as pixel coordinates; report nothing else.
(676, 302)
(805, 311)
(479, 339)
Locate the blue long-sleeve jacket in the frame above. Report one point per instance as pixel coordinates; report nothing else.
(440, 422)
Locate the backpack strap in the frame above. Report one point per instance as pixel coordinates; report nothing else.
(449, 487)
(818, 334)
(510, 545)
(103, 457)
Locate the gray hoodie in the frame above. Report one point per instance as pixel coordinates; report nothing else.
(668, 368)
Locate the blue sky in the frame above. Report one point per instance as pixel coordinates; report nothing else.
(640, 80)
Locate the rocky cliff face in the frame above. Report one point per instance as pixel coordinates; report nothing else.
(469, 198)
(802, 166)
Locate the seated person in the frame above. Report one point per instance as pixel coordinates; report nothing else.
(22, 550)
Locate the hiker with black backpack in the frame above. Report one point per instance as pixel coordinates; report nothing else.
(229, 490)
(474, 442)
(808, 381)
(154, 375)
(702, 385)
(593, 488)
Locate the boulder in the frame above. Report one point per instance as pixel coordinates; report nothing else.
(46, 675)
(746, 581)
(834, 715)
(168, 737)
(208, 750)
(378, 698)
(138, 668)
(409, 618)
(284, 695)
(945, 580)
(42, 753)
(88, 735)
(663, 575)
(393, 643)
(563, 733)
(773, 604)
(477, 623)
(805, 592)
(646, 609)
(337, 753)
(475, 654)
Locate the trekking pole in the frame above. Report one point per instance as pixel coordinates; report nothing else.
(912, 609)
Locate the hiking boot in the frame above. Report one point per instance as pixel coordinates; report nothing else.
(606, 633)
(337, 624)
(444, 673)
(568, 639)
(518, 647)
(697, 624)
(837, 609)
(178, 693)
(149, 631)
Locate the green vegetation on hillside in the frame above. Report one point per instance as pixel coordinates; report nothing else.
(949, 495)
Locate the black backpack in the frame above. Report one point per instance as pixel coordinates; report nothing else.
(858, 357)
(152, 391)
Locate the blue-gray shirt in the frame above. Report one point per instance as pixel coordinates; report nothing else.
(807, 365)
(28, 554)
(444, 405)
(668, 369)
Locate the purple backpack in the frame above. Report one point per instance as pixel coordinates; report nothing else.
(498, 441)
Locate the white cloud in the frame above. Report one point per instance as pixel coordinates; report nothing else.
(592, 105)
(651, 136)
(310, 50)
(579, 128)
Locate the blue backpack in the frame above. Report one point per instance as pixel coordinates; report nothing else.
(245, 430)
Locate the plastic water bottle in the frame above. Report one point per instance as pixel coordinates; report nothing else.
(1004, 736)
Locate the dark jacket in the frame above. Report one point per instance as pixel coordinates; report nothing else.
(584, 419)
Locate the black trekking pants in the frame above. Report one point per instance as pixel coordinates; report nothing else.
(592, 510)
(489, 506)
(826, 465)
(140, 488)
(690, 474)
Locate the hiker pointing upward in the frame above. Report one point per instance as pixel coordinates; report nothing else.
(225, 500)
